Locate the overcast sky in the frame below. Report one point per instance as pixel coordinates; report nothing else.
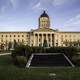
(22, 15)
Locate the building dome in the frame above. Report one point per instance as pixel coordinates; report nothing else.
(44, 21)
(44, 14)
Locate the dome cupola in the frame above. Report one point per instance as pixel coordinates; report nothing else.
(44, 14)
(44, 21)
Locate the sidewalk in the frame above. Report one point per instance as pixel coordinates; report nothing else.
(5, 54)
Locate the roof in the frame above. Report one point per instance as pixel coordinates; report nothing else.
(14, 32)
(69, 32)
(44, 14)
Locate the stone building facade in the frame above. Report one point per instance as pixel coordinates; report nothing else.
(42, 36)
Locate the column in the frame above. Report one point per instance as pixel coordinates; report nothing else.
(30, 39)
(38, 39)
(55, 40)
(51, 39)
(42, 39)
(47, 39)
(34, 39)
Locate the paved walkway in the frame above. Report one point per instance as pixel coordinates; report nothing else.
(5, 54)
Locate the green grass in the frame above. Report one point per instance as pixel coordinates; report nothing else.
(10, 72)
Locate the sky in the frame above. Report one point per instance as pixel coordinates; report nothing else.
(22, 15)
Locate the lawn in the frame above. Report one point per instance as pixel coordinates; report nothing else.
(10, 72)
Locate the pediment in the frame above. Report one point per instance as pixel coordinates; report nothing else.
(44, 30)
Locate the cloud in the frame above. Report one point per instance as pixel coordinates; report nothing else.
(42, 4)
(37, 6)
(14, 3)
(73, 22)
(59, 2)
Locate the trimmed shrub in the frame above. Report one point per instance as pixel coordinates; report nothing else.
(21, 50)
(20, 61)
(37, 50)
(20, 55)
(76, 59)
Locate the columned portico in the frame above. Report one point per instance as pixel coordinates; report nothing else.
(38, 39)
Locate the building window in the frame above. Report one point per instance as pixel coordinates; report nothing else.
(49, 45)
(14, 35)
(39, 34)
(18, 40)
(6, 41)
(14, 40)
(39, 45)
(74, 36)
(22, 35)
(65, 35)
(35, 34)
(56, 40)
(1, 40)
(10, 35)
(52, 35)
(1, 35)
(6, 36)
(66, 44)
(69, 35)
(61, 36)
(32, 44)
(22, 40)
(18, 35)
(48, 34)
(56, 44)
